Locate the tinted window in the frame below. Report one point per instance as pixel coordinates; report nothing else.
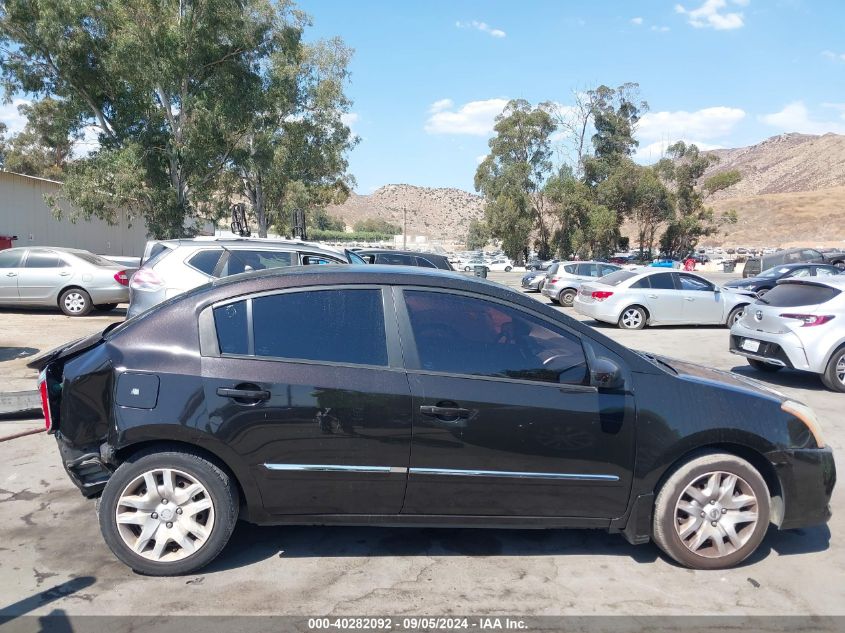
(614, 279)
(641, 283)
(344, 326)
(571, 268)
(588, 270)
(786, 295)
(465, 335)
(10, 259)
(240, 261)
(394, 259)
(319, 260)
(798, 272)
(230, 322)
(662, 281)
(688, 282)
(42, 259)
(422, 261)
(206, 261)
(370, 259)
(93, 259)
(157, 249)
(606, 269)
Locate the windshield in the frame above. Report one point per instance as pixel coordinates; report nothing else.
(774, 273)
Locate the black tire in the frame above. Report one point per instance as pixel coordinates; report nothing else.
(75, 302)
(508, 269)
(567, 297)
(629, 322)
(554, 301)
(761, 366)
(105, 307)
(219, 486)
(834, 368)
(735, 315)
(665, 524)
(466, 269)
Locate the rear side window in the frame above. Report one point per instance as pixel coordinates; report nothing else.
(786, 295)
(614, 279)
(394, 259)
(206, 261)
(641, 283)
(343, 326)
(231, 324)
(662, 281)
(43, 259)
(571, 268)
(424, 263)
(241, 261)
(588, 270)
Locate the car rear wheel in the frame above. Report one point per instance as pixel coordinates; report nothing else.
(633, 318)
(761, 366)
(834, 375)
(734, 316)
(168, 513)
(75, 302)
(567, 297)
(466, 269)
(712, 512)
(508, 269)
(105, 307)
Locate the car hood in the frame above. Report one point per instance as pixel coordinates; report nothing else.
(719, 378)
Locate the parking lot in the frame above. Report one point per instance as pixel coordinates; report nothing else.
(54, 559)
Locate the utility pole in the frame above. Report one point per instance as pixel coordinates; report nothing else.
(404, 228)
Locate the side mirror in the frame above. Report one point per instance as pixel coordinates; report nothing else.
(605, 374)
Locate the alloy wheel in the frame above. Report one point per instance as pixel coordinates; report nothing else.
(716, 514)
(165, 515)
(840, 369)
(74, 302)
(632, 318)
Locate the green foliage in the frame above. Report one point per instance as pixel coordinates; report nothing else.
(322, 221)
(722, 180)
(513, 176)
(342, 236)
(377, 225)
(478, 235)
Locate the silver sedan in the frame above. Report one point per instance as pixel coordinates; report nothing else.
(75, 281)
(654, 296)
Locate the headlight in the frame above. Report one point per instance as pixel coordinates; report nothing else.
(807, 416)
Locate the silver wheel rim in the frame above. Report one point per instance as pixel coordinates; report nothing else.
(632, 318)
(840, 369)
(567, 297)
(737, 316)
(716, 514)
(74, 302)
(165, 515)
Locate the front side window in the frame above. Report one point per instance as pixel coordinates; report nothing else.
(471, 336)
(10, 259)
(689, 282)
(42, 259)
(343, 326)
(241, 261)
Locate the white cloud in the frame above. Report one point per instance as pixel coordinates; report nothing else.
(837, 57)
(349, 118)
(480, 158)
(475, 118)
(705, 124)
(795, 117)
(90, 142)
(659, 29)
(714, 14)
(655, 151)
(9, 115)
(440, 105)
(636, 21)
(481, 26)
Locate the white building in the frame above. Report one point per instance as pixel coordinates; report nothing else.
(25, 214)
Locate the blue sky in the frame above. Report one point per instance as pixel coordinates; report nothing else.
(429, 77)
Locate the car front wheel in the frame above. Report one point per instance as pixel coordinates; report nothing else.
(168, 513)
(735, 315)
(712, 512)
(834, 375)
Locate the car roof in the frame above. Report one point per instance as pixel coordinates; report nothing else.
(241, 243)
(378, 251)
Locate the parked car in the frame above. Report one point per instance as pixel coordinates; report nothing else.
(767, 280)
(405, 258)
(649, 296)
(180, 265)
(755, 265)
(472, 263)
(500, 265)
(799, 324)
(446, 401)
(562, 286)
(533, 280)
(75, 281)
(836, 258)
(540, 264)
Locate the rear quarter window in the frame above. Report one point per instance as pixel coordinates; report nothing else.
(790, 295)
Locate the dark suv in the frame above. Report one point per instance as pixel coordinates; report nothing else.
(404, 258)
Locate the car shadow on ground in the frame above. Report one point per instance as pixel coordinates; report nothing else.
(118, 311)
(252, 544)
(782, 378)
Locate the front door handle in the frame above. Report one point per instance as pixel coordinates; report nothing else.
(244, 394)
(445, 413)
(689, 299)
(652, 296)
(11, 274)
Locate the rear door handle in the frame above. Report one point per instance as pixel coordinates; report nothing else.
(445, 412)
(244, 394)
(689, 299)
(64, 274)
(11, 274)
(652, 296)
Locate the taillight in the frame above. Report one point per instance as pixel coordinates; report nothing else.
(809, 319)
(122, 278)
(45, 399)
(146, 279)
(553, 280)
(601, 295)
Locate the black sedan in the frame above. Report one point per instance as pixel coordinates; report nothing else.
(768, 279)
(398, 396)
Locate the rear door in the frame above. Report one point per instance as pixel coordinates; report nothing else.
(10, 269)
(308, 387)
(44, 273)
(505, 423)
(665, 303)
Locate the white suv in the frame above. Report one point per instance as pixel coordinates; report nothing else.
(172, 267)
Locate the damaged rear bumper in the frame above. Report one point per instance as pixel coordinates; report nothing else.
(86, 467)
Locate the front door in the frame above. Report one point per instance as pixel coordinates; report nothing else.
(44, 273)
(702, 304)
(313, 400)
(10, 262)
(665, 303)
(505, 423)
